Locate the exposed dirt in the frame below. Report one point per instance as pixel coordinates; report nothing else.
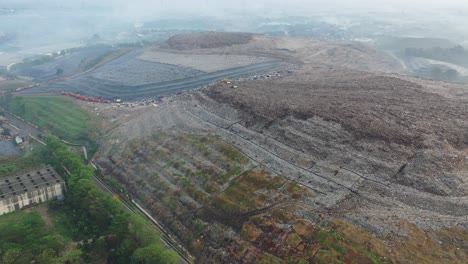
(207, 57)
(372, 149)
(201, 62)
(208, 40)
(365, 105)
(297, 50)
(42, 211)
(324, 164)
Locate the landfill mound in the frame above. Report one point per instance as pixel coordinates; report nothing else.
(208, 40)
(336, 162)
(353, 55)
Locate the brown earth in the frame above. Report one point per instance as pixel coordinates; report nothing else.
(207, 40)
(352, 55)
(201, 62)
(374, 150)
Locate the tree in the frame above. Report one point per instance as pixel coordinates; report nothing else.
(73, 257)
(47, 256)
(119, 225)
(11, 256)
(54, 242)
(124, 253)
(154, 253)
(95, 212)
(141, 232)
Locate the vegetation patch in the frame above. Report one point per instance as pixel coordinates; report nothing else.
(305, 242)
(232, 153)
(395, 249)
(106, 229)
(57, 115)
(27, 160)
(200, 168)
(26, 238)
(247, 192)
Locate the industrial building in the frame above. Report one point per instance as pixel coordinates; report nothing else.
(29, 189)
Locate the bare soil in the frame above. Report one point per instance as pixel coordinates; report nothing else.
(201, 62)
(42, 211)
(352, 55)
(373, 150)
(208, 40)
(352, 163)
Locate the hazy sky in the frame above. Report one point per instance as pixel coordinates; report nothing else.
(273, 3)
(79, 19)
(203, 7)
(148, 8)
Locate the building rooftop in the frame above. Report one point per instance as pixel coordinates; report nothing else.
(20, 184)
(18, 140)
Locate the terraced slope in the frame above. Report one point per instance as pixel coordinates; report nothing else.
(92, 85)
(195, 60)
(384, 153)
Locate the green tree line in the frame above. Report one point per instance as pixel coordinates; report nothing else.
(110, 234)
(27, 238)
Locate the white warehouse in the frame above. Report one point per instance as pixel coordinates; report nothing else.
(29, 189)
